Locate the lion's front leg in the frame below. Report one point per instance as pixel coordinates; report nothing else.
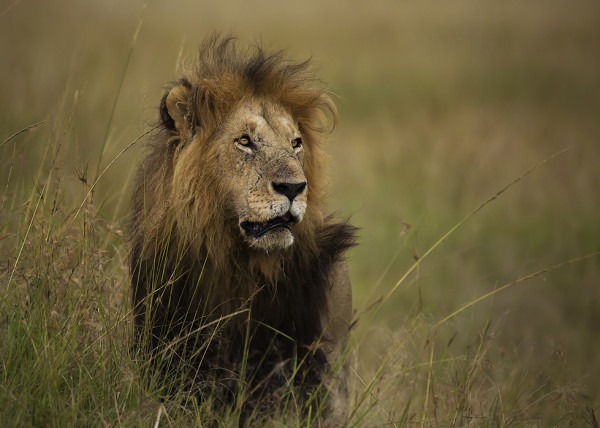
(337, 323)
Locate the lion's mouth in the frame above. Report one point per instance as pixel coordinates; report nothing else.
(258, 229)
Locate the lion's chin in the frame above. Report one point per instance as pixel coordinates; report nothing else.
(273, 240)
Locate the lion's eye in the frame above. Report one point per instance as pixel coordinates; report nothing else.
(244, 140)
(297, 143)
(245, 143)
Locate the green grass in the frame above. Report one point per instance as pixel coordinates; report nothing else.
(441, 107)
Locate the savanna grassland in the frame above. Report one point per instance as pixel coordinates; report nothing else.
(474, 122)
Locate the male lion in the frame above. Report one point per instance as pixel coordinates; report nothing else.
(238, 273)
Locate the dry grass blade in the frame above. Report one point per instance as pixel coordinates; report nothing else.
(515, 282)
(463, 221)
(24, 241)
(119, 89)
(107, 167)
(16, 134)
(161, 411)
(428, 387)
(13, 4)
(368, 392)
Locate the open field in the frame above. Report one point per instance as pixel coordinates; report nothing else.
(441, 107)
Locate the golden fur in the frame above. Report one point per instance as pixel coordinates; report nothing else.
(240, 146)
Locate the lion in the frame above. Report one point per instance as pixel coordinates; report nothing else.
(238, 272)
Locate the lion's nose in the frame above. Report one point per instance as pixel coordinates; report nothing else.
(291, 190)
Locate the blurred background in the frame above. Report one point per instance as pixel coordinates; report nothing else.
(441, 105)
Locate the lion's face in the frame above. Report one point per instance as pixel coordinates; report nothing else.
(262, 148)
(253, 165)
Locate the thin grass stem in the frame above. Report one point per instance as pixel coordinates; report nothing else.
(462, 222)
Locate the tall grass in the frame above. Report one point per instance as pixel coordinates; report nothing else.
(66, 337)
(441, 107)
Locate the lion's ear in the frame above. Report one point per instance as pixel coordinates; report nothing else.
(175, 111)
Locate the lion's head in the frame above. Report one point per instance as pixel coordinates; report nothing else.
(259, 156)
(244, 136)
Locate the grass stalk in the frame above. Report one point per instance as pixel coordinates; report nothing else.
(464, 220)
(119, 89)
(522, 279)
